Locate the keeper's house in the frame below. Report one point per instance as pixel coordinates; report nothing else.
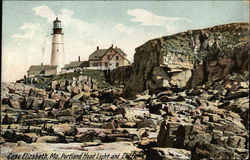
(108, 59)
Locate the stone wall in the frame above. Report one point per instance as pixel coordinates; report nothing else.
(191, 58)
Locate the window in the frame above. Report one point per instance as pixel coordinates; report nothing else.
(117, 64)
(57, 50)
(117, 57)
(106, 64)
(108, 57)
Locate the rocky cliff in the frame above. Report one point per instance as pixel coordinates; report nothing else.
(120, 75)
(191, 58)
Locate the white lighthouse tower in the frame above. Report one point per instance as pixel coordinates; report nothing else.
(57, 51)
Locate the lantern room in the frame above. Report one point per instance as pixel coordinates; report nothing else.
(57, 23)
(57, 29)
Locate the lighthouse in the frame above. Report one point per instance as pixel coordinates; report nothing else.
(57, 50)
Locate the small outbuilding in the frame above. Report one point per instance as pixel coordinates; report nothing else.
(75, 65)
(42, 70)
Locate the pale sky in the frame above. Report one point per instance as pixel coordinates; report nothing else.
(27, 26)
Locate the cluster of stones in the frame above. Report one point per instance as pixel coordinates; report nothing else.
(80, 83)
(33, 116)
(207, 121)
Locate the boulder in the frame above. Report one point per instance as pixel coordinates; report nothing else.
(76, 90)
(37, 103)
(8, 119)
(29, 137)
(83, 96)
(49, 103)
(167, 154)
(48, 139)
(146, 123)
(14, 103)
(207, 150)
(65, 129)
(201, 138)
(109, 108)
(166, 136)
(86, 136)
(155, 106)
(66, 112)
(236, 142)
(146, 143)
(142, 98)
(35, 92)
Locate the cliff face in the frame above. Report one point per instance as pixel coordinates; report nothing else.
(191, 58)
(120, 75)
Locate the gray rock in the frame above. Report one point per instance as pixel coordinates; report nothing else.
(207, 150)
(166, 136)
(167, 154)
(65, 129)
(236, 142)
(48, 139)
(146, 123)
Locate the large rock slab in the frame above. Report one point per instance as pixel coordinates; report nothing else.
(188, 59)
(167, 154)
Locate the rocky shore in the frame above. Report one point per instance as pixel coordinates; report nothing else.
(183, 108)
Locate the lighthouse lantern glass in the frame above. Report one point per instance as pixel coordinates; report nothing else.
(57, 24)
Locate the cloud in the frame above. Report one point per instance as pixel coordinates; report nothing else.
(123, 29)
(66, 13)
(147, 18)
(45, 11)
(29, 31)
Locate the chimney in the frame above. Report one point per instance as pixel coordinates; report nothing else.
(97, 48)
(111, 45)
(115, 47)
(79, 59)
(41, 64)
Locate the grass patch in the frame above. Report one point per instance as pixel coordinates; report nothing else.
(94, 74)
